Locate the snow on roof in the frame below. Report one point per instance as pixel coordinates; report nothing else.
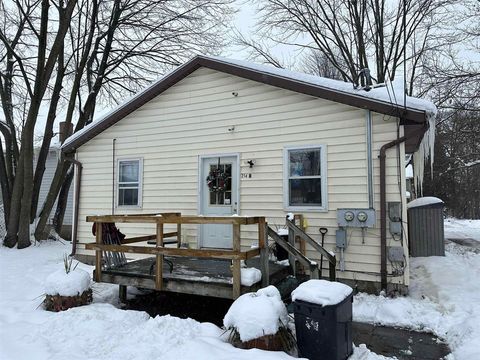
(322, 292)
(424, 201)
(385, 94)
(388, 95)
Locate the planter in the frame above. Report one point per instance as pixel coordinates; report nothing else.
(60, 303)
(266, 342)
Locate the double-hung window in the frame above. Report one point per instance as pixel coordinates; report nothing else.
(129, 189)
(305, 178)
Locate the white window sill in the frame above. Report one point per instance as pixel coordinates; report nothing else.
(306, 208)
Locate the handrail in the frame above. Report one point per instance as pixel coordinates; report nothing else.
(296, 253)
(332, 261)
(302, 234)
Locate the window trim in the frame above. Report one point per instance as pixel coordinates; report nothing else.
(323, 177)
(140, 183)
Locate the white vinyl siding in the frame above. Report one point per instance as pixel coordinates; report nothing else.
(192, 119)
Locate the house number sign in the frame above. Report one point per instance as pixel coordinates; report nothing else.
(245, 176)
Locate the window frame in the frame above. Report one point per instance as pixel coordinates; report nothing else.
(323, 178)
(140, 183)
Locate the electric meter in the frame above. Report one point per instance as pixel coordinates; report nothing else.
(349, 216)
(362, 216)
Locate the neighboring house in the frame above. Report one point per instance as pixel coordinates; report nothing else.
(50, 167)
(286, 142)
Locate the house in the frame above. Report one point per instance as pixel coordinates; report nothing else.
(50, 167)
(284, 143)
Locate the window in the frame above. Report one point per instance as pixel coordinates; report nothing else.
(130, 182)
(305, 178)
(222, 197)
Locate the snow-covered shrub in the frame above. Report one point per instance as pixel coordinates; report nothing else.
(259, 320)
(67, 288)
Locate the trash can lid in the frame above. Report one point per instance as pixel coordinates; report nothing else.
(322, 292)
(424, 202)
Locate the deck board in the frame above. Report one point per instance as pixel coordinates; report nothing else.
(214, 275)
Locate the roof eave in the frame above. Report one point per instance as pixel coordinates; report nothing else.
(408, 114)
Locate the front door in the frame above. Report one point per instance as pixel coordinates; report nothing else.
(218, 196)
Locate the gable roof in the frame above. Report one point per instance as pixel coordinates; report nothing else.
(417, 111)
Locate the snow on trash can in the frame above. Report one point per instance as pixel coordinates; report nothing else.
(323, 320)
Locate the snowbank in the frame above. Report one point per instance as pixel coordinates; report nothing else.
(444, 298)
(250, 276)
(462, 229)
(423, 201)
(322, 292)
(257, 314)
(71, 284)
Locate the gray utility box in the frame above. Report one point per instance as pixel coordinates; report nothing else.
(356, 217)
(425, 228)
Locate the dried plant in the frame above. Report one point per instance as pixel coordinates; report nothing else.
(67, 262)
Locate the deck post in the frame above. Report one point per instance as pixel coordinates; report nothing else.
(236, 272)
(179, 235)
(291, 258)
(263, 245)
(122, 293)
(98, 253)
(159, 259)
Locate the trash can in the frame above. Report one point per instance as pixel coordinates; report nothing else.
(324, 332)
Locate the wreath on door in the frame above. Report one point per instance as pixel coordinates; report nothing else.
(217, 180)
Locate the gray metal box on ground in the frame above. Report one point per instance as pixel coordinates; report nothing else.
(425, 227)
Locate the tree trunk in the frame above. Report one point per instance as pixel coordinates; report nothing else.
(47, 137)
(11, 238)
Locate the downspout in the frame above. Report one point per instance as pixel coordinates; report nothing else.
(383, 207)
(78, 179)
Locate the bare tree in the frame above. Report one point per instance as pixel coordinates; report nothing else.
(352, 35)
(102, 50)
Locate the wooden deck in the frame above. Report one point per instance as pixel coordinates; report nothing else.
(191, 275)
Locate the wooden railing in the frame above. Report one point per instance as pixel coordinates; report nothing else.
(291, 249)
(294, 231)
(236, 254)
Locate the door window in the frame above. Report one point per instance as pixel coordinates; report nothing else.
(222, 197)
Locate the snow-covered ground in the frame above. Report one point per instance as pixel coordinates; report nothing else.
(445, 298)
(462, 229)
(444, 295)
(100, 330)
